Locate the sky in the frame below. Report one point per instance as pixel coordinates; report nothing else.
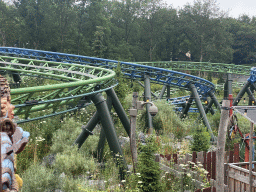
(234, 7)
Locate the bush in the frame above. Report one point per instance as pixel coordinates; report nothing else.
(73, 163)
(40, 179)
(201, 139)
(148, 168)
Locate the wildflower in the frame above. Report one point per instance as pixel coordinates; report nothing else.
(206, 172)
(140, 182)
(137, 173)
(123, 181)
(189, 175)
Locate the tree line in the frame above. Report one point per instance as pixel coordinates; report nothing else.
(130, 30)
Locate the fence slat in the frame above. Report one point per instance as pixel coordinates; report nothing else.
(200, 157)
(209, 167)
(231, 156)
(204, 163)
(175, 158)
(207, 189)
(213, 165)
(236, 153)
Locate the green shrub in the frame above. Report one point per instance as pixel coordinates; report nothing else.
(38, 178)
(201, 139)
(73, 163)
(148, 168)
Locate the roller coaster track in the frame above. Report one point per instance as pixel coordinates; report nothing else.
(88, 75)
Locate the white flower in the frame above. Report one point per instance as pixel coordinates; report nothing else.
(189, 175)
(123, 181)
(140, 182)
(137, 173)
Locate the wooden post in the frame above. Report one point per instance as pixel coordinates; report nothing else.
(221, 145)
(250, 157)
(133, 114)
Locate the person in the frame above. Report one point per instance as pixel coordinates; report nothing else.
(13, 140)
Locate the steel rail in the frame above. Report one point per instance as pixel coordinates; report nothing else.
(83, 81)
(203, 66)
(132, 70)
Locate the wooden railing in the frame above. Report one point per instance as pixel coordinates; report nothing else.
(238, 177)
(208, 162)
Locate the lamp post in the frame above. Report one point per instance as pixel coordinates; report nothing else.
(137, 105)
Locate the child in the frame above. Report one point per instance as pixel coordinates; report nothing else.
(13, 140)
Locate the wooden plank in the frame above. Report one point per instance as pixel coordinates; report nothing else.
(175, 158)
(231, 156)
(230, 180)
(214, 165)
(236, 153)
(198, 190)
(194, 157)
(200, 157)
(225, 174)
(209, 165)
(226, 157)
(205, 162)
(237, 182)
(207, 189)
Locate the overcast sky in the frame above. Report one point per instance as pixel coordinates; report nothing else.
(235, 7)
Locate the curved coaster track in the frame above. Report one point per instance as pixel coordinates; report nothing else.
(81, 79)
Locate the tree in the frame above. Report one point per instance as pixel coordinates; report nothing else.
(203, 31)
(9, 26)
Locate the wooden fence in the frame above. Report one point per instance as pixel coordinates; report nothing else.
(207, 160)
(238, 177)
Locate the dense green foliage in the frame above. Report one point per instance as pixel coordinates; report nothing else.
(129, 30)
(148, 168)
(201, 140)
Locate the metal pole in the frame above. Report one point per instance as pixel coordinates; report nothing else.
(229, 80)
(201, 110)
(109, 129)
(188, 105)
(241, 93)
(226, 90)
(133, 130)
(87, 129)
(162, 92)
(102, 140)
(101, 145)
(168, 91)
(221, 146)
(153, 94)
(215, 101)
(148, 98)
(250, 157)
(251, 97)
(209, 107)
(119, 110)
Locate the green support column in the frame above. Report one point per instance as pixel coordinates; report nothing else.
(241, 93)
(102, 139)
(101, 145)
(209, 107)
(162, 92)
(201, 110)
(188, 105)
(215, 101)
(148, 98)
(168, 91)
(250, 94)
(153, 94)
(119, 110)
(87, 129)
(109, 129)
